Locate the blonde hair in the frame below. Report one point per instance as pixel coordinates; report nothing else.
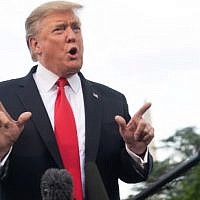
(42, 11)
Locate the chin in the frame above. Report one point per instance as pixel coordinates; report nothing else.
(70, 71)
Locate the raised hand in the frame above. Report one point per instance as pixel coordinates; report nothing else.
(10, 129)
(137, 133)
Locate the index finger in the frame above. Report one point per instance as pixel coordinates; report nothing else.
(142, 110)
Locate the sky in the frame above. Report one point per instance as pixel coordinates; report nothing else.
(148, 50)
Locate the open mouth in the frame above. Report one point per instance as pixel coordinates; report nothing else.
(73, 51)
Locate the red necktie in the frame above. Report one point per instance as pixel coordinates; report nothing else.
(66, 136)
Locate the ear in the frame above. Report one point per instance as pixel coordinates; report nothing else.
(34, 45)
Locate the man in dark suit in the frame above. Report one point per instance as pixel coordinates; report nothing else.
(107, 135)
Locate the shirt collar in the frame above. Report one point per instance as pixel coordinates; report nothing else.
(50, 79)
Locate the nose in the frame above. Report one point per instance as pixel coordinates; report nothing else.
(70, 35)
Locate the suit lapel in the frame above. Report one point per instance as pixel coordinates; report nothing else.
(93, 109)
(30, 97)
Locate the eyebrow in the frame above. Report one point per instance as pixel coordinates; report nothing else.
(62, 23)
(73, 21)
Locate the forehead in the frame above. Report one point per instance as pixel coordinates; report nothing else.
(59, 16)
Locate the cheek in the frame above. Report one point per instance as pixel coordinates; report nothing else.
(52, 47)
(81, 46)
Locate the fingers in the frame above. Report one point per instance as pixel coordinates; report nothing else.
(148, 138)
(138, 115)
(6, 119)
(2, 108)
(121, 123)
(142, 110)
(144, 132)
(139, 132)
(23, 118)
(10, 129)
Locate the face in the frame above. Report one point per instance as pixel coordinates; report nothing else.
(58, 43)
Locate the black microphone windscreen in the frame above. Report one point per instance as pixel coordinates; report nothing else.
(95, 189)
(56, 184)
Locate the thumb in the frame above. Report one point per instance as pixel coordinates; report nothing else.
(121, 123)
(23, 118)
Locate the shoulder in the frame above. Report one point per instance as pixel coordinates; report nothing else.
(18, 82)
(12, 83)
(104, 90)
(9, 83)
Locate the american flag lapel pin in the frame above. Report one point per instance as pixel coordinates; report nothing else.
(95, 95)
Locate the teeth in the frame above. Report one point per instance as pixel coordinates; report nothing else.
(73, 51)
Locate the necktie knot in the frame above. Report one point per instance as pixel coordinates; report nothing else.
(62, 82)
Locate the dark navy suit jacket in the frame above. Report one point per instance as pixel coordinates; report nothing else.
(36, 149)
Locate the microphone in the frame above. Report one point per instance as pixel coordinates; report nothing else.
(95, 189)
(56, 184)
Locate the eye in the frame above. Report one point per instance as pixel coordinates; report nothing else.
(76, 27)
(59, 29)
